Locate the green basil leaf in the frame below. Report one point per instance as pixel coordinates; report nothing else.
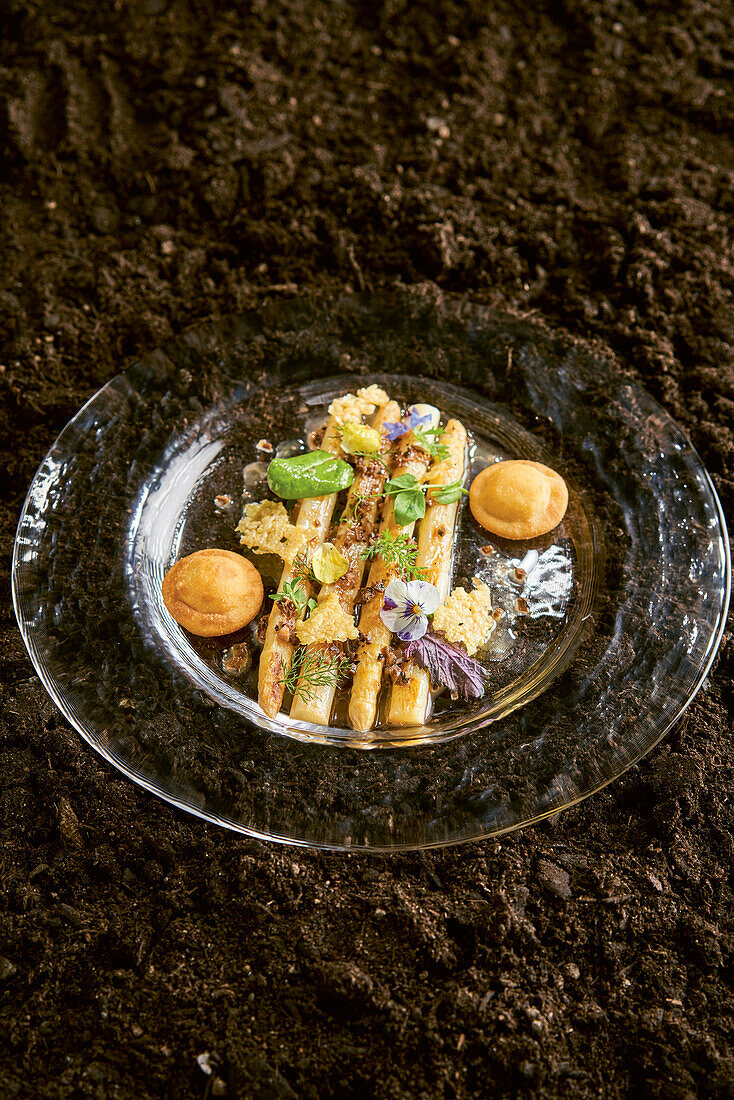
(396, 484)
(313, 474)
(410, 505)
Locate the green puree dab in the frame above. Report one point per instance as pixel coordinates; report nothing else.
(314, 474)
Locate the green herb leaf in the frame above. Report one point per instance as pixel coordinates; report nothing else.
(397, 484)
(293, 591)
(314, 669)
(371, 456)
(410, 505)
(301, 570)
(437, 451)
(398, 550)
(448, 494)
(314, 474)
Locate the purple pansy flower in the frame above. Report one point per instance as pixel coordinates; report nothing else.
(407, 606)
(394, 429)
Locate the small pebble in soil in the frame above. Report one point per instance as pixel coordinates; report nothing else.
(554, 878)
(8, 969)
(204, 1062)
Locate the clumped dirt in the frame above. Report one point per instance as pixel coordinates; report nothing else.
(170, 162)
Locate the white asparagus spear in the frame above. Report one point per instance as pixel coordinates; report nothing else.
(370, 662)
(315, 703)
(409, 702)
(314, 517)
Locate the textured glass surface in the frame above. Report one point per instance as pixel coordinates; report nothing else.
(625, 609)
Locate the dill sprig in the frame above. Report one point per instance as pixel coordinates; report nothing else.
(369, 455)
(398, 550)
(312, 669)
(438, 451)
(302, 571)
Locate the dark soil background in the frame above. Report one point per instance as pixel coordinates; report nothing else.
(167, 163)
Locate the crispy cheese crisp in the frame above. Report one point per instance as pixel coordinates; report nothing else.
(467, 616)
(329, 622)
(266, 529)
(374, 394)
(350, 408)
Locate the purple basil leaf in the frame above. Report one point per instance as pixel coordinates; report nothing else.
(449, 665)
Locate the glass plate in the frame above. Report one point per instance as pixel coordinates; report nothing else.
(620, 622)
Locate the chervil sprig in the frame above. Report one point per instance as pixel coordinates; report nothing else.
(397, 550)
(437, 451)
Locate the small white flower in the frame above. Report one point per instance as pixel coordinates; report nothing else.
(407, 607)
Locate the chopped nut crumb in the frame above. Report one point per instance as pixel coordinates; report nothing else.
(238, 658)
(264, 445)
(223, 500)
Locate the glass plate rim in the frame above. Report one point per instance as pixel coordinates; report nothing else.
(210, 329)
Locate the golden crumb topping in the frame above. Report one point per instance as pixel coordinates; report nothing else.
(352, 407)
(374, 394)
(467, 616)
(329, 622)
(266, 529)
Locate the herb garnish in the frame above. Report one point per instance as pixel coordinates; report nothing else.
(350, 512)
(371, 456)
(293, 591)
(410, 504)
(448, 494)
(311, 669)
(449, 665)
(397, 550)
(313, 474)
(301, 570)
(438, 451)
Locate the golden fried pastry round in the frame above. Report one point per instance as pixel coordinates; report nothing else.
(213, 592)
(517, 499)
